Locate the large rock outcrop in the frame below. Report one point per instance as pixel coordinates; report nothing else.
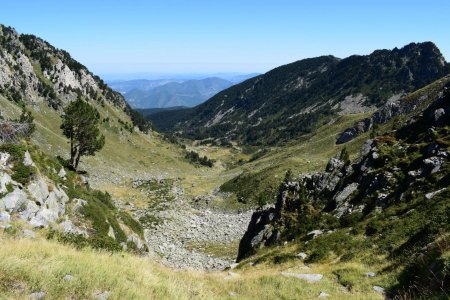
(383, 174)
(399, 107)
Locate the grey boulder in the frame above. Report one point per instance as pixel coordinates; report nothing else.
(13, 201)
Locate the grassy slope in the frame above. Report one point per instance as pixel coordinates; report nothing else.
(126, 155)
(40, 265)
(130, 155)
(260, 178)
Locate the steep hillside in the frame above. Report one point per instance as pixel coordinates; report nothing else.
(149, 176)
(187, 93)
(389, 207)
(32, 71)
(297, 98)
(38, 192)
(258, 183)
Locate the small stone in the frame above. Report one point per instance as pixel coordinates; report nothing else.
(371, 274)
(5, 180)
(43, 218)
(232, 294)
(101, 295)
(438, 114)
(378, 289)
(14, 201)
(302, 255)
(28, 234)
(428, 196)
(27, 161)
(233, 266)
(375, 155)
(315, 233)
(5, 216)
(4, 157)
(84, 179)
(37, 295)
(324, 295)
(62, 173)
(433, 164)
(68, 277)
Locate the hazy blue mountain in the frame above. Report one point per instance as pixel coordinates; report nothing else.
(124, 86)
(188, 93)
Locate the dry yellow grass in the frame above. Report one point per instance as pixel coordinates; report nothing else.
(40, 265)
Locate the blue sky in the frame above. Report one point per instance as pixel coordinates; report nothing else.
(200, 36)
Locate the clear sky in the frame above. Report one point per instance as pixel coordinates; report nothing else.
(195, 36)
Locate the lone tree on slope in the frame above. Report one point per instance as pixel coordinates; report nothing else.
(80, 126)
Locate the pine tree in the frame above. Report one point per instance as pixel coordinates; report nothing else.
(80, 126)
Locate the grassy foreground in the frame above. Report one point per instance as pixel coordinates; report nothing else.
(30, 265)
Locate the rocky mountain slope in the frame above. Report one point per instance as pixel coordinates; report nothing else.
(295, 99)
(391, 203)
(187, 93)
(37, 192)
(33, 71)
(72, 205)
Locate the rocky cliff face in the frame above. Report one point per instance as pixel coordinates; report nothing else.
(395, 108)
(32, 70)
(394, 169)
(45, 195)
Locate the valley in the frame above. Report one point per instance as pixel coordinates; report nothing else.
(323, 178)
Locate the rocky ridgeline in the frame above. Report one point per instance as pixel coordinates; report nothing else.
(33, 70)
(370, 184)
(394, 108)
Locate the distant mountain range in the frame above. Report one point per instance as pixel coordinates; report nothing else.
(125, 86)
(150, 111)
(163, 93)
(294, 99)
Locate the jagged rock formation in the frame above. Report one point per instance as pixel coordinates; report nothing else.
(33, 71)
(294, 99)
(45, 201)
(401, 107)
(38, 203)
(412, 162)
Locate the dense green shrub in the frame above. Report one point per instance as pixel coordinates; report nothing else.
(195, 158)
(22, 173)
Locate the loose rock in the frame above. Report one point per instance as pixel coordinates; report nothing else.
(37, 295)
(379, 289)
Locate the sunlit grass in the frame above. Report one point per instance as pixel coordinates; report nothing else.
(40, 265)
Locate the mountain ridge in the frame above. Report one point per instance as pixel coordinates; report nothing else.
(294, 99)
(34, 71)
(187, 93)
